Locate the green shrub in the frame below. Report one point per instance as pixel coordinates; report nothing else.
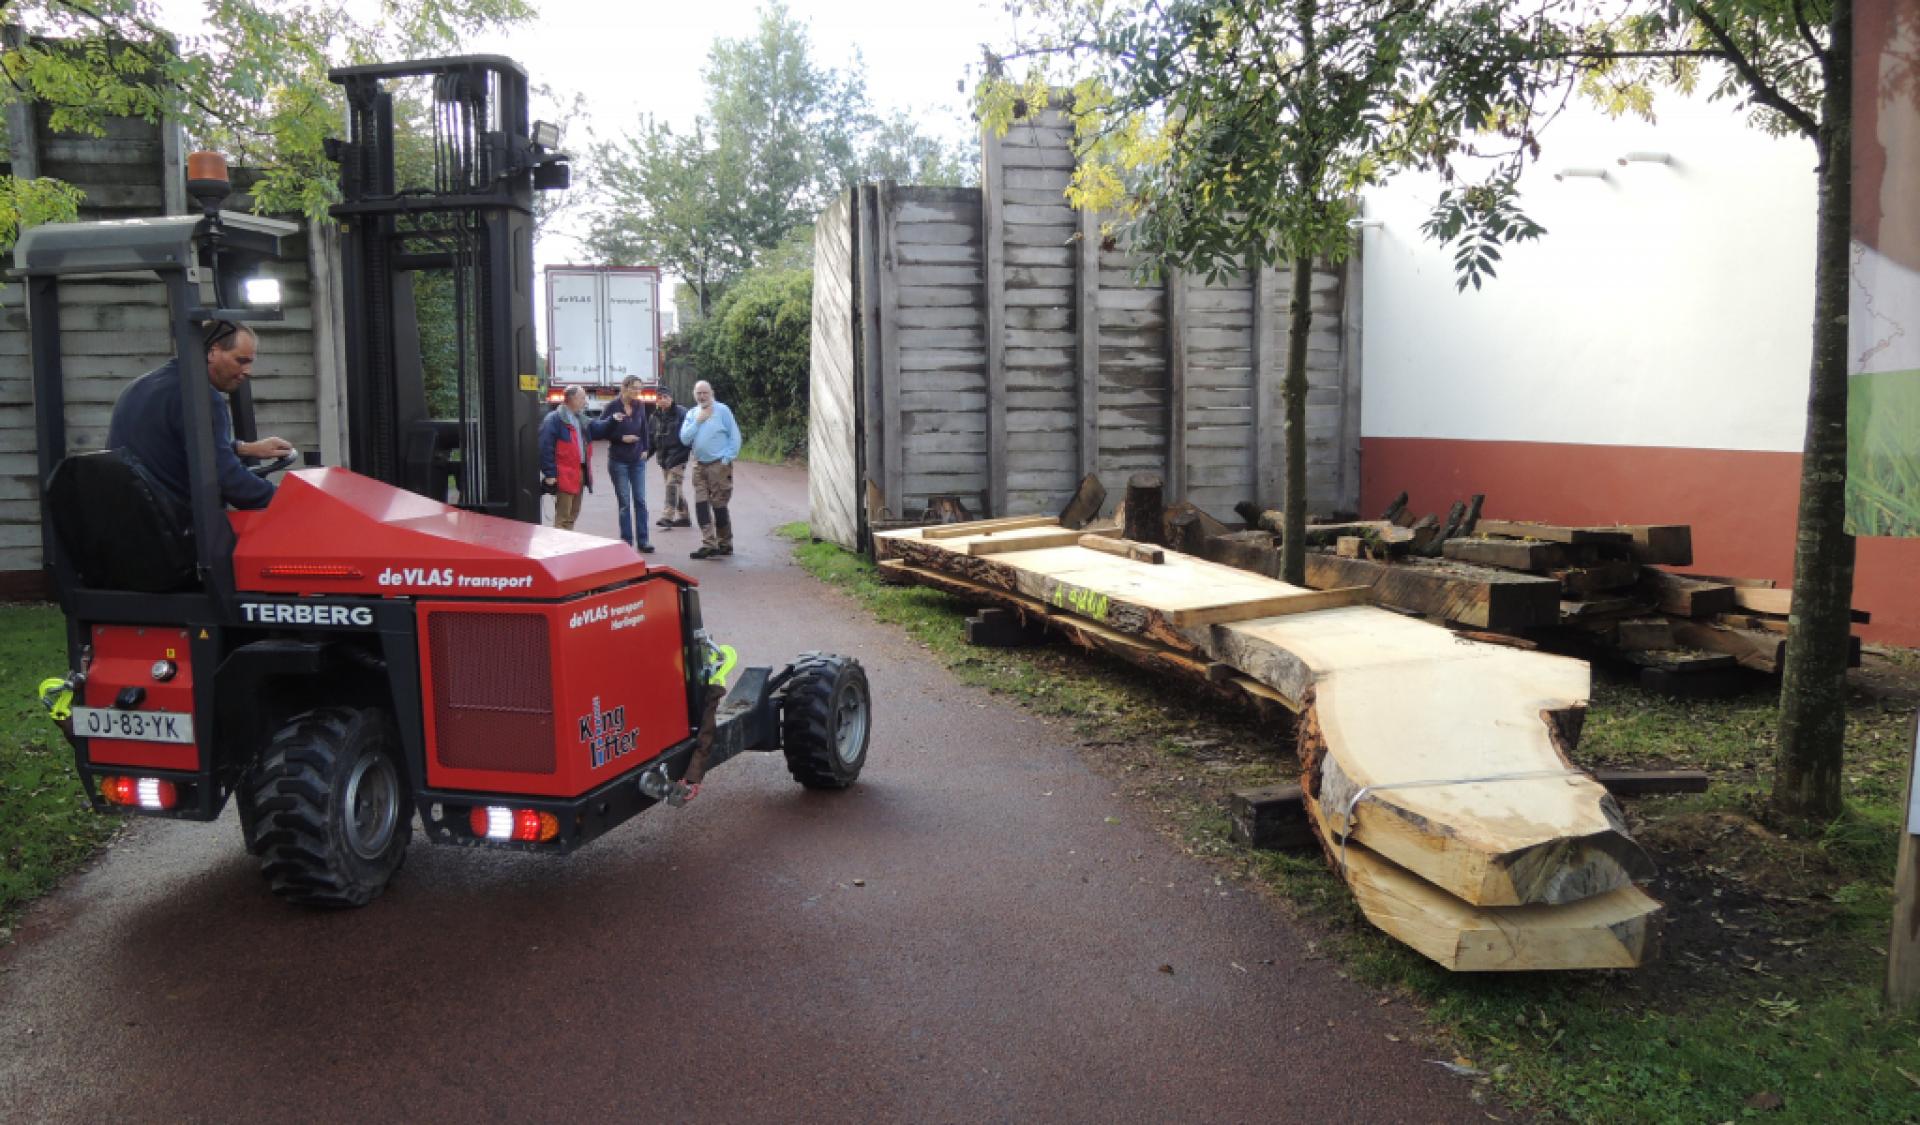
(754, 348)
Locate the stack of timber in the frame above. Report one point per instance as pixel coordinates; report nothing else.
(1437, 768)
(1615, 593)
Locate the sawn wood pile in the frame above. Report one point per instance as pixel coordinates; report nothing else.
(1438, 768)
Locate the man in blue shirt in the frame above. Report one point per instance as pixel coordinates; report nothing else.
(149, 420)
(713, 436)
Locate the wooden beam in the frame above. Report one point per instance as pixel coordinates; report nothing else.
(1065, 537)
(1554, 533)
(1273, 818)
(1535, 555)
(877, 419)
(1686, 597)
(1124, 548)
(1278, 606)
(1469, 595)
(1647, 783)
(1661, 544)
(1757, 600)
(986, 527)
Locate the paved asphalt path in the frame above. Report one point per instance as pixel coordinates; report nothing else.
(976, 932)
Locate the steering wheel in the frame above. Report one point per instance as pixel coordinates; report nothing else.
(270, 467)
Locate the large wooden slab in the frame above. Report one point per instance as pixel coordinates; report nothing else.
(1398, 705)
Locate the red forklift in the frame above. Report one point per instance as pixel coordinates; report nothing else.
(403, 638)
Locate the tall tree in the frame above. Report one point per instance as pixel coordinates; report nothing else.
(1791, 63)
(781, 135)
(1234, 135)
(251, 81)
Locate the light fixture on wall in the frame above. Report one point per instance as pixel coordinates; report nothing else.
(1364, 224)
(1645, 158)
(1582, 173)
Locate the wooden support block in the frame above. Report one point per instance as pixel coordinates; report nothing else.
(1252, 551)
(1554, 533)
(1124, 548)
(1281, 605)
(1758, 650)
(1686, 597)
(947, 510)
(1532, 555)
(1642, 634)
(1038, 541)
(1396, 510)
(1087, 501)
(1272, 819)
(1646, 783)
(1189, 527)
(1146, 509)
(1583, 581)
(1757, 600)
(982, 527)
(994, 627)
(1448, 591)
(1661, 544)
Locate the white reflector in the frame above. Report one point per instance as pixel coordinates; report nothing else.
(499, 823)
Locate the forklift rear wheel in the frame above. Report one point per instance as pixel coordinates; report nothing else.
(826, 721)
(331, 813)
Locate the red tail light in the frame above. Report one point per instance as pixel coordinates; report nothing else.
(139, 792)
(495, 822)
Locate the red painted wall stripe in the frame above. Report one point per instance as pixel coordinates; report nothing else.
(1742, 505)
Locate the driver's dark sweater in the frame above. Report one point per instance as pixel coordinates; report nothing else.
(149, 420)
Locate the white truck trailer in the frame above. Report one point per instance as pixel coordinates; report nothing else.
(603, 324)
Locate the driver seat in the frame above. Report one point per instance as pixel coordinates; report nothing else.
(120, 528)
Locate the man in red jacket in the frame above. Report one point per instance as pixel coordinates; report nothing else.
(566, 458)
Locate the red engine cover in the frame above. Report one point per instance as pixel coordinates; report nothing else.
(552, 700)
(123, 657)
(332, 531)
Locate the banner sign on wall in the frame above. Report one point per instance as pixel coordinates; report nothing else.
(1883, 408)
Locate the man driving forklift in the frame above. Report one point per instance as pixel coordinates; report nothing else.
(147, 421)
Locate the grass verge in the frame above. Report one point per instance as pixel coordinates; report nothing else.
(1766, 1000)
(46, 827)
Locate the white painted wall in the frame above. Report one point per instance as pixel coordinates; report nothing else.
(1667, 305)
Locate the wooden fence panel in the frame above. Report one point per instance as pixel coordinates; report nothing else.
(833, 424)
(1017, 348)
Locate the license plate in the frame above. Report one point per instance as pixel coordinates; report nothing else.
(134, 726)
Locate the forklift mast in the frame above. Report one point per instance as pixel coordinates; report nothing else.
(473, 222)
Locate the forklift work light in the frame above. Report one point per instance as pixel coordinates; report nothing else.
(546, 134)
(492, 822)
(263, 292)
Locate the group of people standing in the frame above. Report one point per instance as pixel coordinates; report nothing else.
(702, 442)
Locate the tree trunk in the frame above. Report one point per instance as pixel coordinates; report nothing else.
(1813, 714)
(1293, 544)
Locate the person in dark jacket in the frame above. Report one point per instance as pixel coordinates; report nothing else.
(671, 452)
(624, 427)
(566, 457)
(149, 419)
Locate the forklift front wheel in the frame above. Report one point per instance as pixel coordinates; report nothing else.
(331, 814)
(826, 721)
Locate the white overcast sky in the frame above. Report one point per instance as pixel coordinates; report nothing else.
(631, 59)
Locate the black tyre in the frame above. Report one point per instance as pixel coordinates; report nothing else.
(327, 808)
(826, 720)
